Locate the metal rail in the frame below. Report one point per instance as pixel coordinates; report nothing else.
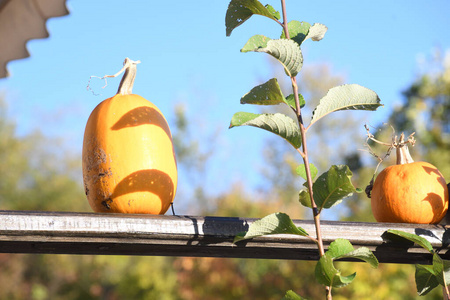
(119, 234)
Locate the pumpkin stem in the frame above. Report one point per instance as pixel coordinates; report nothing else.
(401, 147)
(126, 84)
(403, 156)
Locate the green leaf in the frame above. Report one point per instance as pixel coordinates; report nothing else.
(268, 93)
(342, 248)
(291, 295)
(287, 52)
(255, 42)
(275, 13)
(240, 11)
(425, 279)
(303, 197)
(279, 124)
(301, 170)
(422, 242)
(339, 247)
(346, 97)
(316, 32)
(301, 31)
(290, 100)
(276, 223)
(363, 254)
(333, 186)
(441, 268)
(328, 275)
(330, 188)
(297, 31)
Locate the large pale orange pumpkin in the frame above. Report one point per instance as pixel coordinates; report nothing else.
(409, 192)
(128, 158)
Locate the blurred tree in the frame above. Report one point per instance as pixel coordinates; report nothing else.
(426, 111)
(35, 173)
(192, 158)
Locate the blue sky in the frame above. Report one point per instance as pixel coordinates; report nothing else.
(186, 57)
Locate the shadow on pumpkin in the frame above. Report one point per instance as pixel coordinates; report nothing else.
(140, 116)
(432, 170)
(153, 181)
(436, 202)
(433, 197)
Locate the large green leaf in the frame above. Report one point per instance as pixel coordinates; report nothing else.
(346, 97)
(287, 52)
(328, 275)
(421, 241)
(279, 124)
(297, 31)
(240, 11)
(268, 93)
(276, 223)
(330, 188)
(425, 279)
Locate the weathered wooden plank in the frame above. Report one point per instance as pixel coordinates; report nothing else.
(119, 234)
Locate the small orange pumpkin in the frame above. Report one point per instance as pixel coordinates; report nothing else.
(409, 192)
(128, 159)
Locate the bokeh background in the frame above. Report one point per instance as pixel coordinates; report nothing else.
(196, 76)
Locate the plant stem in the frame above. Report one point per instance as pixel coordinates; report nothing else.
(329, 297)
(316, 211)
(446, 293)
(283, 10)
